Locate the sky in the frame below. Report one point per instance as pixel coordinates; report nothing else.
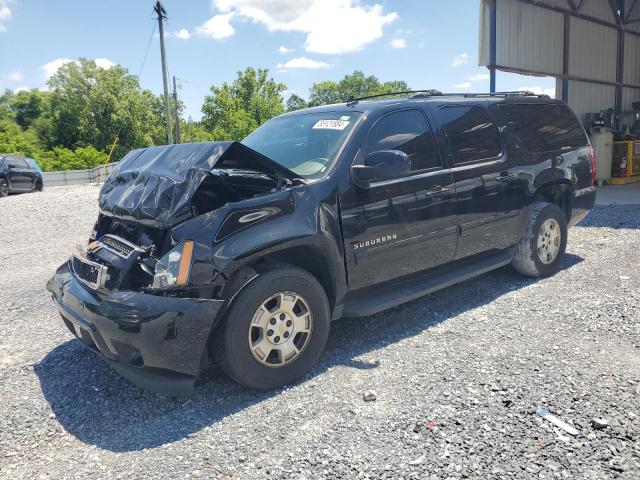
(427, 43)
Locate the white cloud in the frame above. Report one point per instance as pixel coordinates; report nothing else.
(282, 49)
(478, 77)
(462, 86)
(302, 62)
(52, 67)
(217, 27)
(104, 63)
(5, 15)
(551, 91)
(461, 59)
(22, 88)
(332, 26)
(398, 43)
(183, 34)
(15, 76)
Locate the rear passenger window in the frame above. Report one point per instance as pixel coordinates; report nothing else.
(407, 131)
(543, 128)
(472, 135)
(18, 162)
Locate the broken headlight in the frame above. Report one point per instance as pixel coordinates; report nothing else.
(173, 268)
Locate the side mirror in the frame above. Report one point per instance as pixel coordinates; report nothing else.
(382, 165)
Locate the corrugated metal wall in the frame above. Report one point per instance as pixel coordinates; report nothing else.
(528, 37)
(590, 97)
(592, 50)
(631, 58)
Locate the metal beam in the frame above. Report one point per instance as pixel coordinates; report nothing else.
(616, 13)
(575, 6)
(619, 74)
(628, 13)
(579, 15)
(576, 78)
(492, 46)
(566, 41)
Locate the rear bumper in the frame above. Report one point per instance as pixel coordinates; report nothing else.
(156, 342)
(583, 201)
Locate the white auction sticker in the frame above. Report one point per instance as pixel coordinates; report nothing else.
(331, 124)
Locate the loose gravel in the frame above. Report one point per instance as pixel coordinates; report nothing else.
(458, 377)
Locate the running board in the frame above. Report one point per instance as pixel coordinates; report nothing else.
(381, 298)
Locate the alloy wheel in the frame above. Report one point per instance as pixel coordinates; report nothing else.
(280, 329)
(549, 238)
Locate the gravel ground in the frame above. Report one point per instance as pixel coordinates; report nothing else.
(458, 377)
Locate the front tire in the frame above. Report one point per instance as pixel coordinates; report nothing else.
(539, 253)
(275, 331)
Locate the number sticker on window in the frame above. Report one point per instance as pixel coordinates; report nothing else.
(331, 124)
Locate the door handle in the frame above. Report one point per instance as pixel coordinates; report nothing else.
(438, 189)
(506, 177)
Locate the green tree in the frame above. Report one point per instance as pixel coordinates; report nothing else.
(15, 140)
(90, 105)
(194, 132)
(28, 106)
(295, 102)
(61, 158)
(235, 110)
(6, 112)
(353, 85)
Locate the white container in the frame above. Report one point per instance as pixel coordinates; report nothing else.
(602, 142)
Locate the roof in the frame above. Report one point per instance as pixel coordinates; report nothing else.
(370, 104)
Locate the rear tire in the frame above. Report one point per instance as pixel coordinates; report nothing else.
(539, 253)
(4, 188)
(275, 331)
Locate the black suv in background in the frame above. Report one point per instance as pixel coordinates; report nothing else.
(243, 253)
(18, 174)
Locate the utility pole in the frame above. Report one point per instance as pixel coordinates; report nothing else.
(175, 106)
(162, 15)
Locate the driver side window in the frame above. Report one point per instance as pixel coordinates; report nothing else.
(407, 131)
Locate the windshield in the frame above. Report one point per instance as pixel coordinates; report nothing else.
(307, 144)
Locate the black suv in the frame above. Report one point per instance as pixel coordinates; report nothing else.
(18, 174)
(243, 253)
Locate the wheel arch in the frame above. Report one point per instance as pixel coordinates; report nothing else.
(559, 192)
(310, 258)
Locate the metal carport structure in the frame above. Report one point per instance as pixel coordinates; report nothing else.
(591, 47)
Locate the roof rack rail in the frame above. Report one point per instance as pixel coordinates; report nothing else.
(437, 93)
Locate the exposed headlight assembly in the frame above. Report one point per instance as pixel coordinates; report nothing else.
(173, 268)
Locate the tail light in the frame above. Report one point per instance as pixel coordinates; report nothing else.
(592, 156)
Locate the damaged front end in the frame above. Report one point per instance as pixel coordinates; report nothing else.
(146, 291)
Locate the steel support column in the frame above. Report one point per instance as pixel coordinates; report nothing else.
(492, 46)
(618, 107)
(565, 57)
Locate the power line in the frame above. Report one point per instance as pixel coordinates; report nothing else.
(146, 53)
(144, 61)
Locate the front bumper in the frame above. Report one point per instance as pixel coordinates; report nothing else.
(156, 342)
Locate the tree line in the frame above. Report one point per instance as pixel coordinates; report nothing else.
(88, 113)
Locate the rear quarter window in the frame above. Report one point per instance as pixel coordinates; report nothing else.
(544, 128)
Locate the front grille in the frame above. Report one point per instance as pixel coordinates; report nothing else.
(91, 273)
(117, 245)
(87, 272)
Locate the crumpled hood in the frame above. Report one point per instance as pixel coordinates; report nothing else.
(154, 186)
